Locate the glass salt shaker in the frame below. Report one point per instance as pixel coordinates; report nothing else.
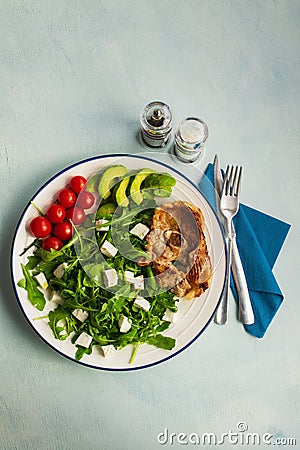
(156, 124)
(190, 137)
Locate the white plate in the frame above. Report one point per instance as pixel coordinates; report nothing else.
(193, 316)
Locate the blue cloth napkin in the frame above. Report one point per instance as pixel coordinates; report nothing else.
(259, 239)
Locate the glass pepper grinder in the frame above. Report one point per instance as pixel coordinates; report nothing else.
(156, 124)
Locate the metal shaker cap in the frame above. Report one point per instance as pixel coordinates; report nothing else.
(156, 124)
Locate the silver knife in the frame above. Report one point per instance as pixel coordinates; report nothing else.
(246, 315)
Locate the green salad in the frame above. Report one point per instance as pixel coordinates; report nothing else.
(99, 293)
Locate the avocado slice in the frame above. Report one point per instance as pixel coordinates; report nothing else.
(120, 193)
(92, 183)
(107, 208)
(135, 187)
(108, 178)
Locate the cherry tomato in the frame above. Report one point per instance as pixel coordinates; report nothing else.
(52, 242)
(77, 183)
(85, 200)
(56, 213)
(67, 198)
(63, 230)
(77, 215)
(40, 227)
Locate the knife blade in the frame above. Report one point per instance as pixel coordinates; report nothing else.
(246, 315)
(221, 316)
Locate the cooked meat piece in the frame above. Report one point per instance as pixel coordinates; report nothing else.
(181, 288)
(163, 220)
(168, 275)
(169, 254)
(173, 238)
(156, 243)
(180, 217)
(142, 261)
(199, 275)
(177, 236)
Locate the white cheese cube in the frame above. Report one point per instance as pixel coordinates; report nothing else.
(63, 333)
(56, 297)
(124, 324)
(42, 280)
(84, 340)
(129, 276)
(142, 303)
(80, 314)
(169, 316)
(62, 324)
(107, 350)
(140, 230)
(46, 292)
(60, 270)
(139, 282)
(110, 277)
(108, 249)
(101, 222)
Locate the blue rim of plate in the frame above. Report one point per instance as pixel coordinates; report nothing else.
(127, 369)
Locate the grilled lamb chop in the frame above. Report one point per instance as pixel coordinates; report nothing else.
(177, 249)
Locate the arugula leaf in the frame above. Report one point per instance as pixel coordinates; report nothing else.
(160, 341)
(93, 271)
(157, 180)
(164, 326)
(62, 323)
(160, 183)
(33, 261)
(35, 296)
(164, 191)
(50, 256)
(81, 351)
(22, 283)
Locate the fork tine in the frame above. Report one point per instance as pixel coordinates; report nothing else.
(235, 181)
(225, 182)
(227, 172)
(231, 180)
(238, 187)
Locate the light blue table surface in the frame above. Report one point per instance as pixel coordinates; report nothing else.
(74, 78)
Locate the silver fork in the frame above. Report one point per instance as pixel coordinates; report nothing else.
(229, 205)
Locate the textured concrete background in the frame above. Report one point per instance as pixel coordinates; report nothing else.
(74, 77)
